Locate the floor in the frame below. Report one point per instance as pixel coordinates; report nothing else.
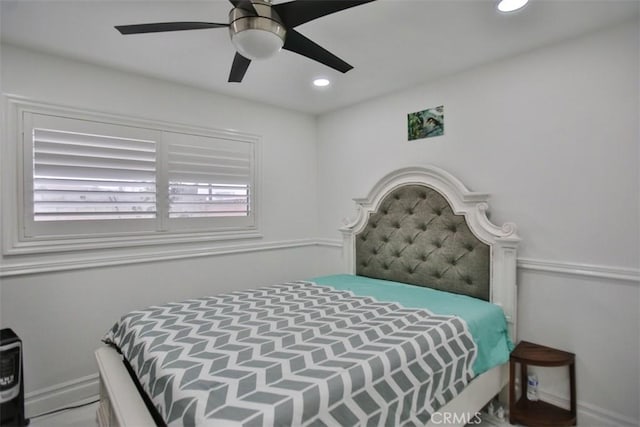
(86, 417)
(80, 417)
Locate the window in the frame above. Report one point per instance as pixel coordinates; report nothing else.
(92, 180)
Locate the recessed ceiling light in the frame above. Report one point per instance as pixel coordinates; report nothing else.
(321, 82)
(511, 5)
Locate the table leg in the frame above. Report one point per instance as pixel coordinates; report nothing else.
(512, 390)
(523, 380)
(572, 391)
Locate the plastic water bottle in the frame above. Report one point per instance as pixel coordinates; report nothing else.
(532, 387)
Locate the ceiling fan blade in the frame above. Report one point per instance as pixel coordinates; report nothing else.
(238, 68)
(298, 12)
(244, 4)
(296, 42)
(159, 27)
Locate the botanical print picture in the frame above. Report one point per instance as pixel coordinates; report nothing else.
(426, 123)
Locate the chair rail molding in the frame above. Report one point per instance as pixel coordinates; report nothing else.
(618, 274)
(19, 267)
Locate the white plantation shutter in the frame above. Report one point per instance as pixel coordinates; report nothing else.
(104, 180)
(79, 176)
(208, 177)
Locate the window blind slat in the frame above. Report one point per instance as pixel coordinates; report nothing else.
(80, 196)
(94, 185)
(209, 165)
(95, 174)
(208, 199)
(242, 160)
(79, 207)
(219, 148)
(73, 161)
(202, 214)
(43, 148)
(237, 207)
(45, 216)
(175, 169)
(204, 178)
(89, 140)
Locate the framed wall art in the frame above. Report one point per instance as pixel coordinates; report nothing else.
(426, 123)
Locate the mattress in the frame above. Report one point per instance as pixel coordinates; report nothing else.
(297, 354)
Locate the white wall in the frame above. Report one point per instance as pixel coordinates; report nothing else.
(62, 316)
(552, 135)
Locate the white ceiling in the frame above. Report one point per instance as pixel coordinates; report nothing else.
(393, 44)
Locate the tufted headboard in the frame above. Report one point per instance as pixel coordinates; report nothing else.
(422, 226)
(415, 237)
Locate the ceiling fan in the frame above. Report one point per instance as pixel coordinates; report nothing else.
(259, 29)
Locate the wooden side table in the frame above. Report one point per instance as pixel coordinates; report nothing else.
(539, 413)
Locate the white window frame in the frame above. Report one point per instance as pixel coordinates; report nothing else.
(17, 175)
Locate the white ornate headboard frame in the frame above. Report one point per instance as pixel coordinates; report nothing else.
(503, 240)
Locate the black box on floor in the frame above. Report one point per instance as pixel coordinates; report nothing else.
(11, 380)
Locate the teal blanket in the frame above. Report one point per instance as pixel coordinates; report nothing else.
(485, 321)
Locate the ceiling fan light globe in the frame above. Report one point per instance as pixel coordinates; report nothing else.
(511, 5)
(257, 44)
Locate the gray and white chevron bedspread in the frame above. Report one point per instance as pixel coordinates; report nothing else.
(295, 354)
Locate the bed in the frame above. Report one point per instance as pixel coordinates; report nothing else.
(415, 331)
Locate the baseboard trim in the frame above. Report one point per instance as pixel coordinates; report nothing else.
(590, 415)
(69, 393)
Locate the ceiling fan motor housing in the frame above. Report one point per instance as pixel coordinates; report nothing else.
(256, 36)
